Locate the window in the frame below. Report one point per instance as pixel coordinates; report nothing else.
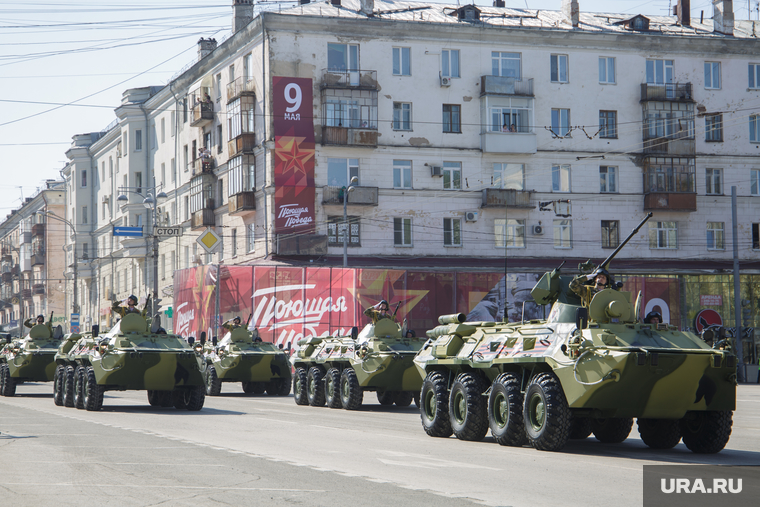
(505, 64)
(233, 241)
(219, 87)
(163, 130)
(342, 112)
(452, 232)
(240, 117)
(715, 236)
(713, 182)
(104, 210)
(755, 236)
(84, 178)
(561, 122)
(242, 175)
(754, 181)
(163, 173)
(509, 233)
(342, 57)
(450, 63)
(514, 115)
(173, 124)
(85, 251)
(607, 179)
(402, 231)
(452, 118)
(563, 233)
(754, 76)
(509, 176)
(248, 67)
(659, 72)
(173, 216)
(608, 124)
(663, 235)
(184, 109)
(712, 75)
(452, 175)
(558, 68)
(674, 120)
(402, 62)
(754, 128)
(138, 140)
(606, 70)
(173, 166)
(185, 159)
(714, 127)
(84, 215)
(341, 170)
(402, 116)
(250, 237)
(138, 182)
(103, 171)
(219, 139)
(402, 174)
(336, 228)
(610, 237)
(561, 178)
(163, 266)
(153, 137)
(231, 73)
(201, 194)
(187, 207)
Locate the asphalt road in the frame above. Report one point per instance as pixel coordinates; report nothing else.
(260, 450)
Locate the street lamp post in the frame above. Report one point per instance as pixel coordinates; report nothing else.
(50, 214)
(351, 186)
(150, 201)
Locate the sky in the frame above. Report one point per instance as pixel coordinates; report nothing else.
(65, 64)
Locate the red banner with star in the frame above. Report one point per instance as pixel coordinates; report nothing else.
(294, 155)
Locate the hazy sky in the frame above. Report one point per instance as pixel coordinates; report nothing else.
(64, 66)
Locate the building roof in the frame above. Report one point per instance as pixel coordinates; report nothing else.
(521, 18)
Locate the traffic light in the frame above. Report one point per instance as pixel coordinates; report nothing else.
(156, 305)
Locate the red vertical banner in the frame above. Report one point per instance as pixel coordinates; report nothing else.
(294, 196)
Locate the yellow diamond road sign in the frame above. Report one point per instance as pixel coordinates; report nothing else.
(209, 240)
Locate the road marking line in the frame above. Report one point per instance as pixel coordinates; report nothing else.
(163, 486)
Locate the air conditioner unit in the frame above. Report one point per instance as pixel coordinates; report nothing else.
(538, 229)
(436, 170)
(471, 216)
(445, 81)
(106, 198)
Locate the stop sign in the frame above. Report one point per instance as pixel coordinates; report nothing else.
(706, 318)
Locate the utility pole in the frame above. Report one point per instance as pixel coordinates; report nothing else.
(740, 373)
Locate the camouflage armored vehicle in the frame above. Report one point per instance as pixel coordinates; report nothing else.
(29, 359)
(129, 357)
(239, 357)
(585, 369)
(336, 371)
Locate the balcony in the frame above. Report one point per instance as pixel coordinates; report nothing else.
(38, 288)
(26, 293)
(242, 203)
(669, 146)
(239, 87)
(202, 114)
(242, 144)
(7, 277)
(202, 165)
(497, 85)
(506, 198)
(670, 201)
(366, 196)
(203, 217)
(360, 79)
(344, 136)
(312, 245)
(38, 259)
(676, 92)
(25, 237)
(38, 230)
(509, 142)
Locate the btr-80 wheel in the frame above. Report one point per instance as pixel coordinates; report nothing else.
(315, 387)
(351, 393)
(612, 430)
(68, 387)
(92, 393)
(332, 388)
(403, 398)
(300, 378)
(659, 433)
(7, 383)
(79, 387)
(213, 384)
(706, 432)
(467, 407)
(278, 387)
(546, 414)
(505, 411)
(59, 378)
(385, 397)
(434, 405)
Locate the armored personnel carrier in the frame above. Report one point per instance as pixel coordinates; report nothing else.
(336, 371)
(585, 369)
(129, 357)
(29, 359)
(241, 357)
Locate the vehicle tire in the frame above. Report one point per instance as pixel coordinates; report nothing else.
(706, 432)
(154, 398)
(580, 427)
(92, 392)
(258, 387)
(351, 393)
(505, 411)
(9, 383)
(385, 397)
(68, 387)
(79, 387)
(213, 384)
(612, 430)
(194, 398)
(315, 387)
(59, 378)
(546, 414)
(403, 398)
(178, 397)
(467, 407)
(434, 405)
(283, 387)
(2, 379)
(332, 388)
(299, 387)
(417, 398)
(659, 433)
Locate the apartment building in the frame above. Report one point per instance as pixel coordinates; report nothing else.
(474, 133)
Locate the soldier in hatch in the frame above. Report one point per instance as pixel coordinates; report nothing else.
(379, 311)
(131, 307)
(40, 320)
(232, 324)
(601, 280)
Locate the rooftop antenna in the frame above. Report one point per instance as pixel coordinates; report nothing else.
(21, 190)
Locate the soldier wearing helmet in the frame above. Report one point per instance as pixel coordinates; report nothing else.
(653, 318)
(580, 285)
(131, 307)
(378, 311)
(232, 323)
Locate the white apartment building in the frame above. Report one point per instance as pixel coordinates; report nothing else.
(475, 133)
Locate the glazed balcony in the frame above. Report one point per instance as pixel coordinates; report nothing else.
(203, 217)
(38, 289)
(348, 136)
(202, 166)
(201, 114)
(38, 259)
(670, 201)
(38, 230)
(676, 92)
(360, 79)
(242, 203)
(294, 244)
(505, 198)
(506, 86)
(240, 87)
(363, 196)
(244, 143)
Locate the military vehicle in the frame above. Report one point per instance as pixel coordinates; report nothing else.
(241, 357)
(29, 359)
(337, 370)
(582, 370)
(129, 357)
